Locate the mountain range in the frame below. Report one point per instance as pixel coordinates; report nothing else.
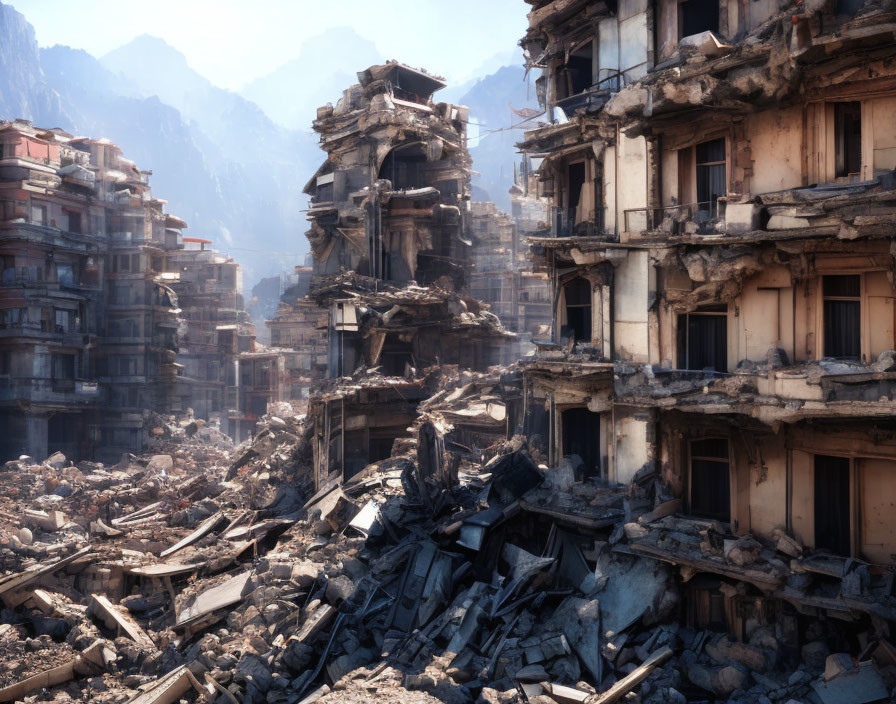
(231, 164)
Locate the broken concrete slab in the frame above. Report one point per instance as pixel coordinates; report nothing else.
(117, 620)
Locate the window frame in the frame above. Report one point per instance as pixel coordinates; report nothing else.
(860, 299)
(683, 364)
(729, 460)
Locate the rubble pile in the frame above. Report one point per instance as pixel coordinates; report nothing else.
(450, 572)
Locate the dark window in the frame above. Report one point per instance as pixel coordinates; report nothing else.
(578, 310)
(395, 355)
(696, 16)
(710, 479)
(848, 138)
(581, 436)
(258, 405)
(703, 339)
(325, 192)
(848, 7)
(63, 366)
(842, 315)
(5, 362)
(74, 221)
(711, 177)
(832, 504)
(576, 76)
(405, 167)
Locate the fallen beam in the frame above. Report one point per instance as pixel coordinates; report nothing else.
(204, 528)
(116, 620)
(42, 680)
(169, 688)
(632, 680)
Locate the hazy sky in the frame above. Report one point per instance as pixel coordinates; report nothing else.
(232, 42)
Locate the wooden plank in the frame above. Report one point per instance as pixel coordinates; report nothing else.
(167, 689)
(632, 680)
(664, 509)
(42, 680)
(115, 619)
(17, 581)
(163, 569)
(136, 515)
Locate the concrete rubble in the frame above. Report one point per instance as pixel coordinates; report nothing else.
(216, 573)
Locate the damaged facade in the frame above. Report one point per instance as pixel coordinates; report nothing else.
(720, 252)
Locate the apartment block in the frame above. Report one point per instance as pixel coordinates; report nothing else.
(720, 254)
(106, 315)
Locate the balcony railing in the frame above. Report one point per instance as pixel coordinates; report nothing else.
(562, 225)
(670, 218)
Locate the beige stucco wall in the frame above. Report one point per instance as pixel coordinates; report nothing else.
(776, 149)
(630, 308)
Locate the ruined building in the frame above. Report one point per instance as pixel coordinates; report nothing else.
(502, 274)
(215, 328)
(90, 331)
(300, 325)
(105, 315)
(721, 257)
(391, 239)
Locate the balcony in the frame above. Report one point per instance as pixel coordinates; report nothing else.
(690, 218)
(562, 225)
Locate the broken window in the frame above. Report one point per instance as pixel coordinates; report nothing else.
(832, 502)
(703, 338)
(711, 176)
(710, 479)
(842, 315)
(581, 436)
(395, 355)
(578, 310)
(696, 16)
(848, 139)
(576, 76)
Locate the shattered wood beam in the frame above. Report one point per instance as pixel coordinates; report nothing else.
(17, 581)
(169, 688)
(629, 682)
(43, 680)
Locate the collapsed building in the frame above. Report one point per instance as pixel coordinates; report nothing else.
(391, 242)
